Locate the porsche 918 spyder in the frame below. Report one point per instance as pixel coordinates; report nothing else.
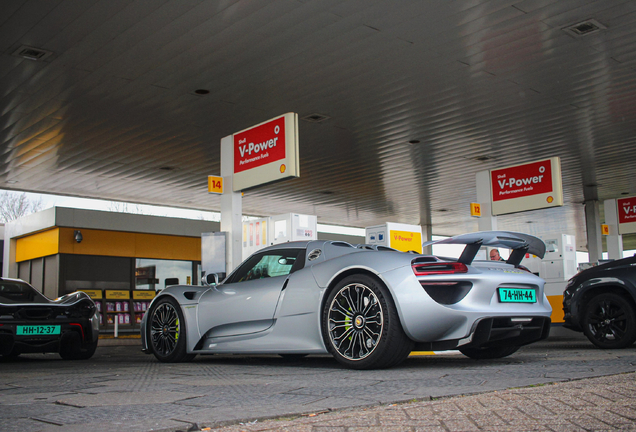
(369, 306)
(33, 323)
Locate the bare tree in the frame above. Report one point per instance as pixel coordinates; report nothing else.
(121, 207)
(14, 205)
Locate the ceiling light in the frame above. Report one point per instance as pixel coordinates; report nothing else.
(414, 142)
(315, 118)
(584, 28)
(167, 168)
(12, 181)
(483, 158)
(31, 53)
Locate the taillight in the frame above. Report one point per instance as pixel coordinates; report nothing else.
(438, 268)
(524, 268)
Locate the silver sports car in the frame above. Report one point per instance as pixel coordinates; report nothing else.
(368, 306)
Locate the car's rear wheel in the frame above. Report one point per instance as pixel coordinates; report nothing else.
(166, 332)
(609, 321)
(361, 327)
(72, 348)
(485, 353)
(14, 353)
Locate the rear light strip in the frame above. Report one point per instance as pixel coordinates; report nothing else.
(81, 330)
(438, 268)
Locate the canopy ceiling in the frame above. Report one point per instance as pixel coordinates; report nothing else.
(110, 110)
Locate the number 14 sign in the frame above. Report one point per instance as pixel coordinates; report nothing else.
(215, 184)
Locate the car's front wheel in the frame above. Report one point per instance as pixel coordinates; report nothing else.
(166, 332)
(361, 327)
(486, 353)
(609, 321)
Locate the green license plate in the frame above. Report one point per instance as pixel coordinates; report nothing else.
(517, 295)
(38, 330)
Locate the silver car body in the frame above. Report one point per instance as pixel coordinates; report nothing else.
(282, 315)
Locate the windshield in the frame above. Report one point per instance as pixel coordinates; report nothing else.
(15, 292)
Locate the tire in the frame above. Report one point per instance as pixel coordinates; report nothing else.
(166, 332)
(361, 327)
(609, 321)
(74, 351)
(14, 353)
(488, 353)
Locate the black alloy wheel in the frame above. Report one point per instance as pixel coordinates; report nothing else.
(609, 321)
(361, 327)
(166, 332)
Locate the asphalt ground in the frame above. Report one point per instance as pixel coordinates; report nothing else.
(122, 389)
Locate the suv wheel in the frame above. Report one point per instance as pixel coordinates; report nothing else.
(609, 321)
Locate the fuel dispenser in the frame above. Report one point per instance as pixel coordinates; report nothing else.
(287, 227)
(556, 268)
(402, 237)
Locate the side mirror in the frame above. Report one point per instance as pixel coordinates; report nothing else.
(210, 279)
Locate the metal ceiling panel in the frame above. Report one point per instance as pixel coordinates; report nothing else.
(112, 112)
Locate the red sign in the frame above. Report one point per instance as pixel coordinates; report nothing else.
(260, 145)
(521, 180)
(626, 210)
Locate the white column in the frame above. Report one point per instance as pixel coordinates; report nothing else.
(614, 239)
(231, 207)
(427, 235)
(487, 222)
(593, 225)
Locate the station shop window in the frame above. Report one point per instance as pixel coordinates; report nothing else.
(154, 274)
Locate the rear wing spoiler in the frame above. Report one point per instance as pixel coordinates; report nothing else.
(520, 244)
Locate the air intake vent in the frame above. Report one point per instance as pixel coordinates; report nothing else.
(31, 53)
(584, 28)
(315, 118)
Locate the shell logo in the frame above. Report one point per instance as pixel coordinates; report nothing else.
(550, 199)
(283, 168)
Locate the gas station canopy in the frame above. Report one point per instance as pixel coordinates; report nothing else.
(400, 102)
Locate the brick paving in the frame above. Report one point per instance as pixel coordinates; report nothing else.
(593, 404)
(121, 389)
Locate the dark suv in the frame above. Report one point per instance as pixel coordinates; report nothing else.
(601, 302)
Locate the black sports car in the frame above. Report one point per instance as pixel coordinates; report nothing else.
(33, 323)
(601, 302)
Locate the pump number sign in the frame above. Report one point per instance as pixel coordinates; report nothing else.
(215, 184)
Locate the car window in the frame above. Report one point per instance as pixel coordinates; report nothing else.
(268, 264)
(20, 293)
